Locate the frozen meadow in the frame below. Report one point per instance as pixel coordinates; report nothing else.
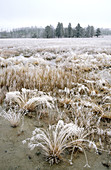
(57, 93)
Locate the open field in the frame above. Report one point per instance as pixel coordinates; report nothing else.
(56, 93)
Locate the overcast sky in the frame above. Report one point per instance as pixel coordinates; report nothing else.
(22, 13)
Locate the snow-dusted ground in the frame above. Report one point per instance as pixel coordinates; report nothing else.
(100, 42)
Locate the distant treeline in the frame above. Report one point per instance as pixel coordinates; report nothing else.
(59, 32)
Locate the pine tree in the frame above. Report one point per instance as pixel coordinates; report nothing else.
(65, 32)
(78, 31)
(92, 31)
(88, 31)
(70, 32)
(47, 32)
(98, 32)
(59, 30)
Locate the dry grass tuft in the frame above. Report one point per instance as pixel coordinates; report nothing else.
(13, 116)
(57, 138)
(30, 99)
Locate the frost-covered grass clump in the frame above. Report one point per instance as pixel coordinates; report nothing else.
(57, 138)
(13, 116)
(30, 99)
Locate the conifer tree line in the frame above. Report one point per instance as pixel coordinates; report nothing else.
(59, 32)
